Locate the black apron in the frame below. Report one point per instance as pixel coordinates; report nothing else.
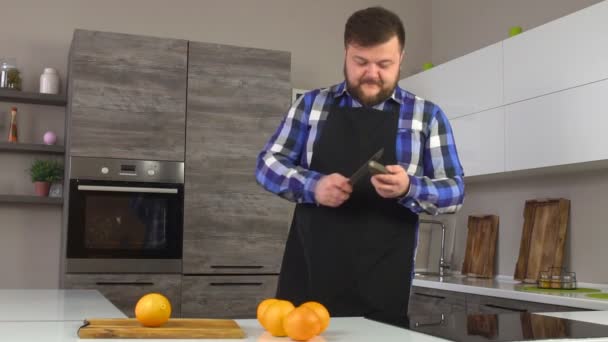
(356, 259)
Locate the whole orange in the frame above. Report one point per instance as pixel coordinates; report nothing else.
(321, 311)
(153, 310)
(302, 324)
(262, 307)
(273, 316)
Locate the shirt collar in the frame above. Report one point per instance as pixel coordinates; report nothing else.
(340, 90)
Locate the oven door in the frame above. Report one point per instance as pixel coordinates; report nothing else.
(118, 226)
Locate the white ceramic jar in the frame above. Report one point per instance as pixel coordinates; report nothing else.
(49, 81)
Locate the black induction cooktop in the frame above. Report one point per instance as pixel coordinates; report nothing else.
(525, 326)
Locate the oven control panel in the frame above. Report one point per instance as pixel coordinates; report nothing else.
(126, 170)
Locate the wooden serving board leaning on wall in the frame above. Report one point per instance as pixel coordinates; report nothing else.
(543, 237)
(481, 246)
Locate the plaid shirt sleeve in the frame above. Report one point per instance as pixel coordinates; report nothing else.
(441, 188)
(279, 166)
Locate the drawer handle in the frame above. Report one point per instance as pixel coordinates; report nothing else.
(236, 284)
(236, 267)
(429, 295)
(441, 321)
(494, 306)
(123, 283)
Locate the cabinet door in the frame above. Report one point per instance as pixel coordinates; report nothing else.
(480, 141)
(127, 96)
(465, 85)
(124, 290)
(236, 99)
(427, 301)
(493, 305)
(225, 296)
(561, 54)
(562, 128)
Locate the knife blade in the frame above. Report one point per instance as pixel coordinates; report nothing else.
(364, 169)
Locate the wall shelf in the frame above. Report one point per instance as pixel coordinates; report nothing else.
(8, 95)
(31, 148)
(27, 199)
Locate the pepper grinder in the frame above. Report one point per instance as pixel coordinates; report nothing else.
(12, 134)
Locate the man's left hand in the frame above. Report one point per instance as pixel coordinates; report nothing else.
(394, 184)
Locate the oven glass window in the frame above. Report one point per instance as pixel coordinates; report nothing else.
(125, 221)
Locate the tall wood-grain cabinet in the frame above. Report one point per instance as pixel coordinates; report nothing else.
(127, 96)
(127, 99)
(234, 231)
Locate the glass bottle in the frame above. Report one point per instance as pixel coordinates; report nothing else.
(9, 75)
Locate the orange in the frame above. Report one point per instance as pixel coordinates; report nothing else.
(302, 324)
(272, 318)
(321, 311)
(262, 307)
(153, 310)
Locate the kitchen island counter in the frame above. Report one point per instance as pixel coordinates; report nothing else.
(56, 315)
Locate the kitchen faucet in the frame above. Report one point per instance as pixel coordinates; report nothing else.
(443, 265)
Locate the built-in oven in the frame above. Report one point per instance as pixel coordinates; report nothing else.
(125, 216)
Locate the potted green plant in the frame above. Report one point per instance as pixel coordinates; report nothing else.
(43, 173)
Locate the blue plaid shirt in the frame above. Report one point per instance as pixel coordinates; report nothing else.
(424, 144)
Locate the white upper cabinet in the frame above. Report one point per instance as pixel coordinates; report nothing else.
(539, 99)
(561, 128)
(466, 85)
(480, 141)
(561, 54)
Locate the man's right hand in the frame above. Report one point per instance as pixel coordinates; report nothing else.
(333, 190)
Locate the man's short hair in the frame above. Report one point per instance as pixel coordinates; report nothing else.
(373, 26)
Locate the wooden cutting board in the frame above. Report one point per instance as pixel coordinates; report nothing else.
(543, 237)
(481, 246)
(174, 328)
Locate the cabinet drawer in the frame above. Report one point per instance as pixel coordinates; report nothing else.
(485, 304)
(225, 296)
(124, 290)
(425, 301)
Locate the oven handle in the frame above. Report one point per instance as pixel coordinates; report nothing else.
(128, 189)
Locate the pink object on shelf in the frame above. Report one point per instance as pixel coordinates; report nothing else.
(50, 138)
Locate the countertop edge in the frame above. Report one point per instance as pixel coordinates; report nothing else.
(581, 303)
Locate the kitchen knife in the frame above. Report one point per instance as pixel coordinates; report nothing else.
(364, 169)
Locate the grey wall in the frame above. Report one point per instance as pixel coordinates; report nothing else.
(38, 34)
(463, 26)
(585, 244)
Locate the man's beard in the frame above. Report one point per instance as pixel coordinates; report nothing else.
(370, 101)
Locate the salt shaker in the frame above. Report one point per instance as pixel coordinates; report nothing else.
(49, 81)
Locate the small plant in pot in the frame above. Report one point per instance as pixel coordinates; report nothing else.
(43, 173)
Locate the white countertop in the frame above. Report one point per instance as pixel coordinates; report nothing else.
(354, 329)
(54, 305)
(56, 315)
(508, 288)
(341, 329)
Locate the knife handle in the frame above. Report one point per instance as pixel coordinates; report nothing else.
(376, 168)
